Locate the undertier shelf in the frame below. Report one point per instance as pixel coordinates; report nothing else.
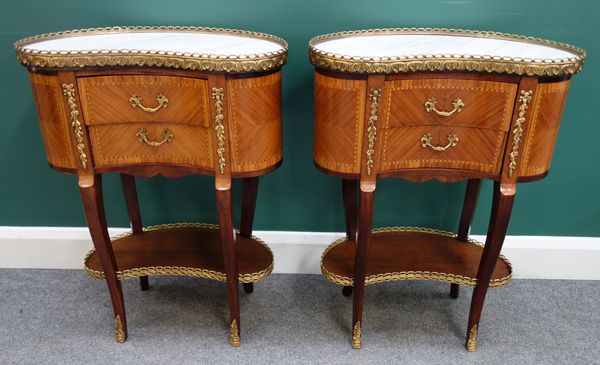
(401, 253)
(186, 249)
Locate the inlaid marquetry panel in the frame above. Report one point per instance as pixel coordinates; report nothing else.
(119, 144)
(545, 121)
(168, 99)
(339, 110)
(53, 123)
(472, 103)
(255, 122)
(476, 149)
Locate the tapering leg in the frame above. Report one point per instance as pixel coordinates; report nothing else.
(466, 218)
(224, 211)
(365, 223)
(504, 196)
(249, 192)
(350, 195)
(90, 188)
(135, 217)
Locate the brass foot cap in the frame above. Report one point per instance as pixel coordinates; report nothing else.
(357, 336)
(234, 334)
(120, 335)
(472, 339)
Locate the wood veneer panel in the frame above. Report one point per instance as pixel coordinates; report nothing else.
(54, 127)
(105, 99)
(544, 126)
(117, 144)
(255, 121)
(478, 149)
(183, 248)
(339, 109)
(413, 256)
(487, 104)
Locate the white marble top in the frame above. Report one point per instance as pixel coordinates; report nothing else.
(161, 42)
(407, 45)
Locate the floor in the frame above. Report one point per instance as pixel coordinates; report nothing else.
(64, 317)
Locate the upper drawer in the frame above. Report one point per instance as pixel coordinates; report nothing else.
(466, 103)
(143, 98)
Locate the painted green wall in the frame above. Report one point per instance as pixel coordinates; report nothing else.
(297, 196)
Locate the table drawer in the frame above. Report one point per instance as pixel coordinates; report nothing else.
(466, 103)
(151, 143)
(144, 98)
(446, 147)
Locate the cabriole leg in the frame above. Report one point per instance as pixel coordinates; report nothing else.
(135, 216)
(249, 193)
(90, 188)
(466, 219)
(350, 196)
(365, 223)
(504, 196)
(224, 211)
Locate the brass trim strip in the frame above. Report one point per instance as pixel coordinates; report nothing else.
(151, 58)
(524, 99)
(414, 275)
(472, 339)
(234, 336)
(179, 270)
(69, 92)
(218, 95)
(142, 135)
(136, 102)
(374, 96)
(457, 103)
(439, 62)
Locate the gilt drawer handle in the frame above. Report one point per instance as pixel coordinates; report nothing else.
(426, 142)
(457, 103)
(136, 101)
(142, 135)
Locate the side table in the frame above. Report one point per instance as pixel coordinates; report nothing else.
(422, 104)
(174, 101)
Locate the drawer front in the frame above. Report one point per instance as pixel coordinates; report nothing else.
(144, 98)
(464, 103)
(151, 143)
(447, 147)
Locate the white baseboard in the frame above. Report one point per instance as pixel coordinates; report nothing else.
(532, 257)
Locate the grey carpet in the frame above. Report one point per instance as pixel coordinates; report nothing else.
(64, 317)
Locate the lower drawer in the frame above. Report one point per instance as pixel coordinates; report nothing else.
(151, 143)
(464, 148)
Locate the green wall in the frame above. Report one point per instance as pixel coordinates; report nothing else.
(297, 196)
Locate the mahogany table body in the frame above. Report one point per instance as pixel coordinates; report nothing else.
(174, 101)
(396, 103)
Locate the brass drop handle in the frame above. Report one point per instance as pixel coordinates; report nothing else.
(136, 101)
(426, 142)
(457, 103)
(142, 135)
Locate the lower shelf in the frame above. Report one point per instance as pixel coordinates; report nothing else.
(401, 253)
(186, 249)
